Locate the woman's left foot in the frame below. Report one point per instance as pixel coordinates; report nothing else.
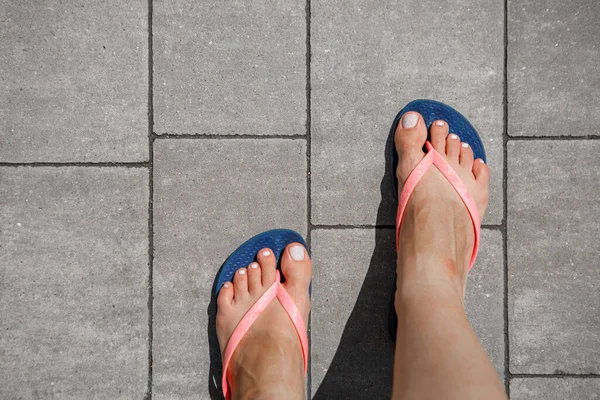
(268, 361)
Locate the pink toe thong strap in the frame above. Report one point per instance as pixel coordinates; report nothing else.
(433, 157)
(276, 290)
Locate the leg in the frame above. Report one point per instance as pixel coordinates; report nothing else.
(267, 364)
(437, 353)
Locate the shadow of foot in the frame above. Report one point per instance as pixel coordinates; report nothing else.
(362, 367)
(214, 377)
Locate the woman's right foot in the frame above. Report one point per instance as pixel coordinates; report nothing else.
(437, 353)
(436, 228)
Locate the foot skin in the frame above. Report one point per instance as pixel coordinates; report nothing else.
(267, 363)
(437, 228)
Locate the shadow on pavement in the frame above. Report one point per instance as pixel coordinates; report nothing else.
(214, 375)
(362, 367)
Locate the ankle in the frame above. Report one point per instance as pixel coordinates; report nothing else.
(431, 278)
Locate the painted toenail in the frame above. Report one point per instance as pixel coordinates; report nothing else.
(242, 271)
(410, 120)
(453, 136)
(439, 123)
(226, 284)
(266, 253)
(481, 161)
(297, 253)
(254, 265)
(465, 145)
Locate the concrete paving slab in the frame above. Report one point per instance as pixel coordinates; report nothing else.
(74, 81)
(230, 67)
(553, 68)
(553, 214)
(369, 60)
(74, 283)
(352, 352)
(554, 389)
(209, 197)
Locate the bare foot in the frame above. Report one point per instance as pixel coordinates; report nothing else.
(437, 352)
(267, 363)
(436, 225)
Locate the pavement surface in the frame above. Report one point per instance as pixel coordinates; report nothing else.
(142, 142)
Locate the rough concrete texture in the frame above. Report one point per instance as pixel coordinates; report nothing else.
(555, 389)
(369, 60)
(74, 283)
(553, 215)
(352, 352)
(209, 197)
(230, 67)
(74, 81)
(553, 68)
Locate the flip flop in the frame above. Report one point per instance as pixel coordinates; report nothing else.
(276, 240)
(431, 111)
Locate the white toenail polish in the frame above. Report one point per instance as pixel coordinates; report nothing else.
(453, 136)
(254, 265)
(266, 253)
(465, 145)
(439, 123)
(297, 253)
(226, 284)
(410, 120)
(481, 161)
(242, 271)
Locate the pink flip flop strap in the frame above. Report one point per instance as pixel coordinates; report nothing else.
(276, 290)
(433, 157)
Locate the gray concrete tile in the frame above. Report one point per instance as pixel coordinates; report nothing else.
(554, 389)
(230, 68)
(74, 81)
(352, 353)
(553, 67)
(553, 214)
(371, 58)
(74, 283)
(209, 197)
(484, 300)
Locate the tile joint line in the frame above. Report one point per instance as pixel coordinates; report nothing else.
(151, 137)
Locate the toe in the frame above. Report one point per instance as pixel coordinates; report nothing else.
(254, 278)
(411, 133)
(466, 156)
(296, 265)
(225, 296)
(268, 265)
(452, 147)
(409, 140)
(439, 131)
(240, 283)
(481, 171)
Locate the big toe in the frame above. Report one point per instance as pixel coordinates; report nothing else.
(297, 270)
(296, 265)
(409, 140)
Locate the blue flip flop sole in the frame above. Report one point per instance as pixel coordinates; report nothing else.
(276, 240)
(431, 111)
